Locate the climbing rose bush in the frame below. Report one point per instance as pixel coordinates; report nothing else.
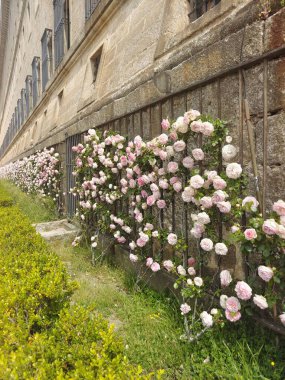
(39, 173)
(126, 189)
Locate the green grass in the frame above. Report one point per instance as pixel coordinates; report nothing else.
(37, 209)
(151, 325)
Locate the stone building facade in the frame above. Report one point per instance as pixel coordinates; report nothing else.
(69, 65)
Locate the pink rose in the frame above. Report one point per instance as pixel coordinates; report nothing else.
(173, 136)
(168, 265)
(185, 308)
(191, 271)
(172, 239)
(221, 249)
(232, 304)
(191, 261)
(150, 200)
(149, 261)
(177, 186)
(188, 162)
(165, 125)
(161, 203)
(265, 273)
(198, 230)
(281, 231)
(162, 139)
(203, 218)
(219, 196)
(155, 267)
(250, 234)
(270, 227)
(260, 302)
(279, 207)
(197, 126)
(191, 115)
(172, 167)
(198, 154)
(224, 207)
(234, 170)
(162, 155)
(196, 181)
(181, 270)
(243, 290)
(179, 146)
(133, 258)
(187, 194)
(173, 180)
(225, 278)
(206, 244)
(232, 316)
(180, 125)
(206, 202)
(282, 318)
(163, 184)
(208, 128)
(252, 201)
(219, 183)
(140, 181)
(141, 243)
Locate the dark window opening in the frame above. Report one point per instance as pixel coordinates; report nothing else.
(61, 29)
(47, 66)
(36, 80)
(200, 7)
(95, 63)
(28, 94)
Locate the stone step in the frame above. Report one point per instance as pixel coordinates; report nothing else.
(58, 229)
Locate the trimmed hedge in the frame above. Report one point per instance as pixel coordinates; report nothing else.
(41, 335)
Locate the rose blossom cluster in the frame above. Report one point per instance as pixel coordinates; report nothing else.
(39, 173)
(145, 177)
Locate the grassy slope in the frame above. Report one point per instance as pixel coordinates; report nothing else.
(151, 325)
(37, 209)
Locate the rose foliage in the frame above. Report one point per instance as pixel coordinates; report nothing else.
(126, 189)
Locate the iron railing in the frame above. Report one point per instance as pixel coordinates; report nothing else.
(72, 200)
(90, 6)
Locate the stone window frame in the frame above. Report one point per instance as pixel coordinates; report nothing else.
(90, 6)
(36, 80)
(219, 11)
(61, 9)
(95, 61)
(47, 57)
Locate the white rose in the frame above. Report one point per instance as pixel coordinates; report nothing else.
(234, 170)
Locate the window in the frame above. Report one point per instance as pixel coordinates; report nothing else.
(61, 29)
(23, 105)
(19, 113)
(28, 94)
(36, 80)
(46, 57)
(199, 7)
(95, 62)
(16, 118)
(90, 6)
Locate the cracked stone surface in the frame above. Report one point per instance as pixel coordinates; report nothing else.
(58, 229)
